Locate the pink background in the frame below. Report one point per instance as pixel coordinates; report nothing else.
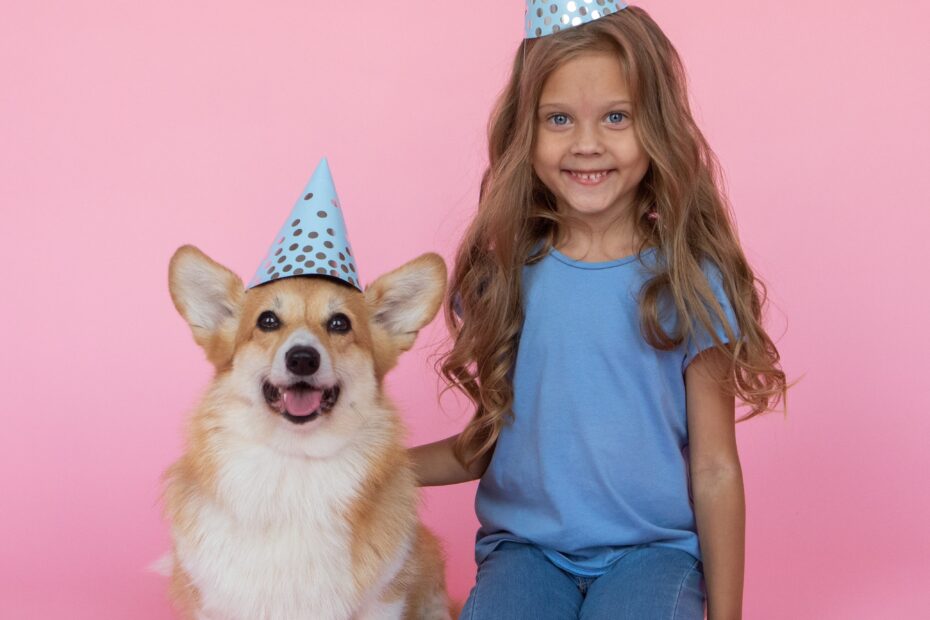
(129, 129)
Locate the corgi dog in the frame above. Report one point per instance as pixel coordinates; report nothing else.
(295, 497)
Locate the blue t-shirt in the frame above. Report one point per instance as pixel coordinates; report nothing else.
(594, 462)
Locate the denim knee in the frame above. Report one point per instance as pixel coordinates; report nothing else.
(517, 581)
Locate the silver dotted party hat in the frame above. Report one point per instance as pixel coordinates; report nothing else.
(545, 17)
(313, 239)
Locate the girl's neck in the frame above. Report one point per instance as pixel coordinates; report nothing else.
(584, 243)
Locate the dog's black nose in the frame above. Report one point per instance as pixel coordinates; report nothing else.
(302, 360)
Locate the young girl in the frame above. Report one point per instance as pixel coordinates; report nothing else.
(604, 320)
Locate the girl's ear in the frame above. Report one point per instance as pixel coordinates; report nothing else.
(209, 297)
(401, 302)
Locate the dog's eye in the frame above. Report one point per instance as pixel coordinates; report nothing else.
(339, 323)
(268, 321)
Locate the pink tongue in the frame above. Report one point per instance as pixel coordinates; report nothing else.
(302, 402)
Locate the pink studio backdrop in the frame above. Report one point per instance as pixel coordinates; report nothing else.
(129, 129)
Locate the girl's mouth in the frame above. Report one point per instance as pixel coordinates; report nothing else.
(588, 177)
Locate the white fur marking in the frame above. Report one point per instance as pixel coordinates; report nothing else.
(163, 565)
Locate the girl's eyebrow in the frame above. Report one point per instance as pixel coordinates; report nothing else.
(553, 104)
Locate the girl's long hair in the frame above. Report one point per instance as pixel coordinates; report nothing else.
(517, 223)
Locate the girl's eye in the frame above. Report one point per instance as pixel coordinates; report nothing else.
(616, 117)
(268, 321)
(558, 119)
(339, 323)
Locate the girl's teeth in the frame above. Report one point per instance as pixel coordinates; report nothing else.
(589, 176)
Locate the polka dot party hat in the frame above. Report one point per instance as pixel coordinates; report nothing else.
(313, 240)
(544, 17)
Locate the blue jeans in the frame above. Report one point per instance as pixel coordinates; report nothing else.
(649, 583)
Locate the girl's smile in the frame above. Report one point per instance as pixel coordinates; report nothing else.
(587, 177)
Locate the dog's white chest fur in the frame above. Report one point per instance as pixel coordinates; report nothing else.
(279, 544)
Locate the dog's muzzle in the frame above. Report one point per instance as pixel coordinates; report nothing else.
(300, 402)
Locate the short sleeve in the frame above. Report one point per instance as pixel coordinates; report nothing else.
(703, 340)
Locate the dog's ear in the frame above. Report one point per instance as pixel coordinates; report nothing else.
(209, 297)
(403, 301)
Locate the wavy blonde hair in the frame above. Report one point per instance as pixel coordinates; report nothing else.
(517, 223)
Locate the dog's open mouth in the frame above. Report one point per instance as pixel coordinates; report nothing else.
(301, 402)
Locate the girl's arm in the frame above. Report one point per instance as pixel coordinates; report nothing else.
(435, 465)
(716, 483)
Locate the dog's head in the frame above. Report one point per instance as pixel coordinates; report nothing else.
(302, 356)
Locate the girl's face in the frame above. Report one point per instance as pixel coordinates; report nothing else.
(587, 152)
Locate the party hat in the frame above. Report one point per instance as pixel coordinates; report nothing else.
(313, 240)
(545, 17)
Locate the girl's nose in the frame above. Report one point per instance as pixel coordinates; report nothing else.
(587, 140)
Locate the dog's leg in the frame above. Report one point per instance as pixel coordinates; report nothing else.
(431, 606)
(383, 610)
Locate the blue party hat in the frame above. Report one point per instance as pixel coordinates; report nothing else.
(313, 239)
(545, 17)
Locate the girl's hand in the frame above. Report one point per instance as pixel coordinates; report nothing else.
(435, 464)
